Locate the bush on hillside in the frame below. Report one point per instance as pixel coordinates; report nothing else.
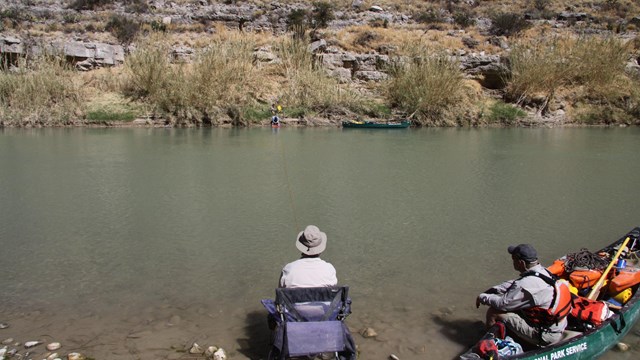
(297, 22)
(508, 24)
(321, 14)
(431, 16)
(464, 18)
(123, 28)
(89, 4)
(430, 88)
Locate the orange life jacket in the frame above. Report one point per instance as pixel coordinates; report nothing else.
(560, 304)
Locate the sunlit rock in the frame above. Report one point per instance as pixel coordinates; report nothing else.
(220, 355)
(210, 351)
(53, 346)
(195, 349)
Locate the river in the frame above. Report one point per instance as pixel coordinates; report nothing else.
(134, 243)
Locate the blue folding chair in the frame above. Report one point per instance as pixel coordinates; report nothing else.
(309, 322)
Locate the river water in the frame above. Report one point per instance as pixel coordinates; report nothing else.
(134, 243)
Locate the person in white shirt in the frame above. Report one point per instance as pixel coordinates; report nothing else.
(309, 270)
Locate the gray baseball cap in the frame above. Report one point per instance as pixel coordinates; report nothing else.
(525, 252)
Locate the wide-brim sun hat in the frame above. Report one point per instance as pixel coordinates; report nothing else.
(311, 241)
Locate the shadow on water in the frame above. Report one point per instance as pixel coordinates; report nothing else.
(462, 331)
(255, 344)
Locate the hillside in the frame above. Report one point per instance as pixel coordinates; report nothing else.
(199, 62)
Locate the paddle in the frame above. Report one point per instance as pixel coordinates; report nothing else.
(596, 288)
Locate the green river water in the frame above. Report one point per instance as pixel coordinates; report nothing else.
(124, 243)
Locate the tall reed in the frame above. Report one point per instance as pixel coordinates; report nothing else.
(430, 88)
(40, 91)
(542, 67)
(309, 88)
(221, 81)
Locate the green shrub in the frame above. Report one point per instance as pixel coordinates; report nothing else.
(123, 28)
(158, 26)
(297, 22)
(322, 13)
(431, 16)
(508, 24)
(71, 18)
(464, 18)
(257, 114)
(103, 116)
(136, 6)
(89, 4)
(504, 113)
(365, 38)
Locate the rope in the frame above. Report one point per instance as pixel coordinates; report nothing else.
(584, 259)
(286, 176)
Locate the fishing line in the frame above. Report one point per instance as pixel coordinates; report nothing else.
(286, 176)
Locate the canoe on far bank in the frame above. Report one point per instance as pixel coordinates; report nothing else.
(376, 125)
(590, 341)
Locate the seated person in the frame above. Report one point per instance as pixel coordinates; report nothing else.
(526, 305)
(309, 270)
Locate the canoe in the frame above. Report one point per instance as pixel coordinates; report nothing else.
(596, 340)
(376, 125)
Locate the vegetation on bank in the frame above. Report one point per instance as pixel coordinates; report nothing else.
(583, 76)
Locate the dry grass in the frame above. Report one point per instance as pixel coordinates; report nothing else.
(43, 90)
(220, 80)
(308, 89)
(430, 88)
(542, 67)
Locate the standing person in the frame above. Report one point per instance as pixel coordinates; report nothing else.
(533, 307)
(309, 270)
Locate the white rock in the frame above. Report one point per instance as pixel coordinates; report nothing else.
(210, 351)
(376, 8)
(30, 344)
(622, 346)
(368, 332)
(53, 346)
(220, 355)
(195, 349)
(52, 356)
(393, 357)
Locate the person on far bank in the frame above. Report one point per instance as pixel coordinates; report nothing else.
(533, 307)
(309, 270)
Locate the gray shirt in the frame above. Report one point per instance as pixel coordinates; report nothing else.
(522, 294)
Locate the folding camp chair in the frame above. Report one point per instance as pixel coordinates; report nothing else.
(310, 322)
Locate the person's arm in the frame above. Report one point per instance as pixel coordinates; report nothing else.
(514, 298)
(282, 283)
(281, 280)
